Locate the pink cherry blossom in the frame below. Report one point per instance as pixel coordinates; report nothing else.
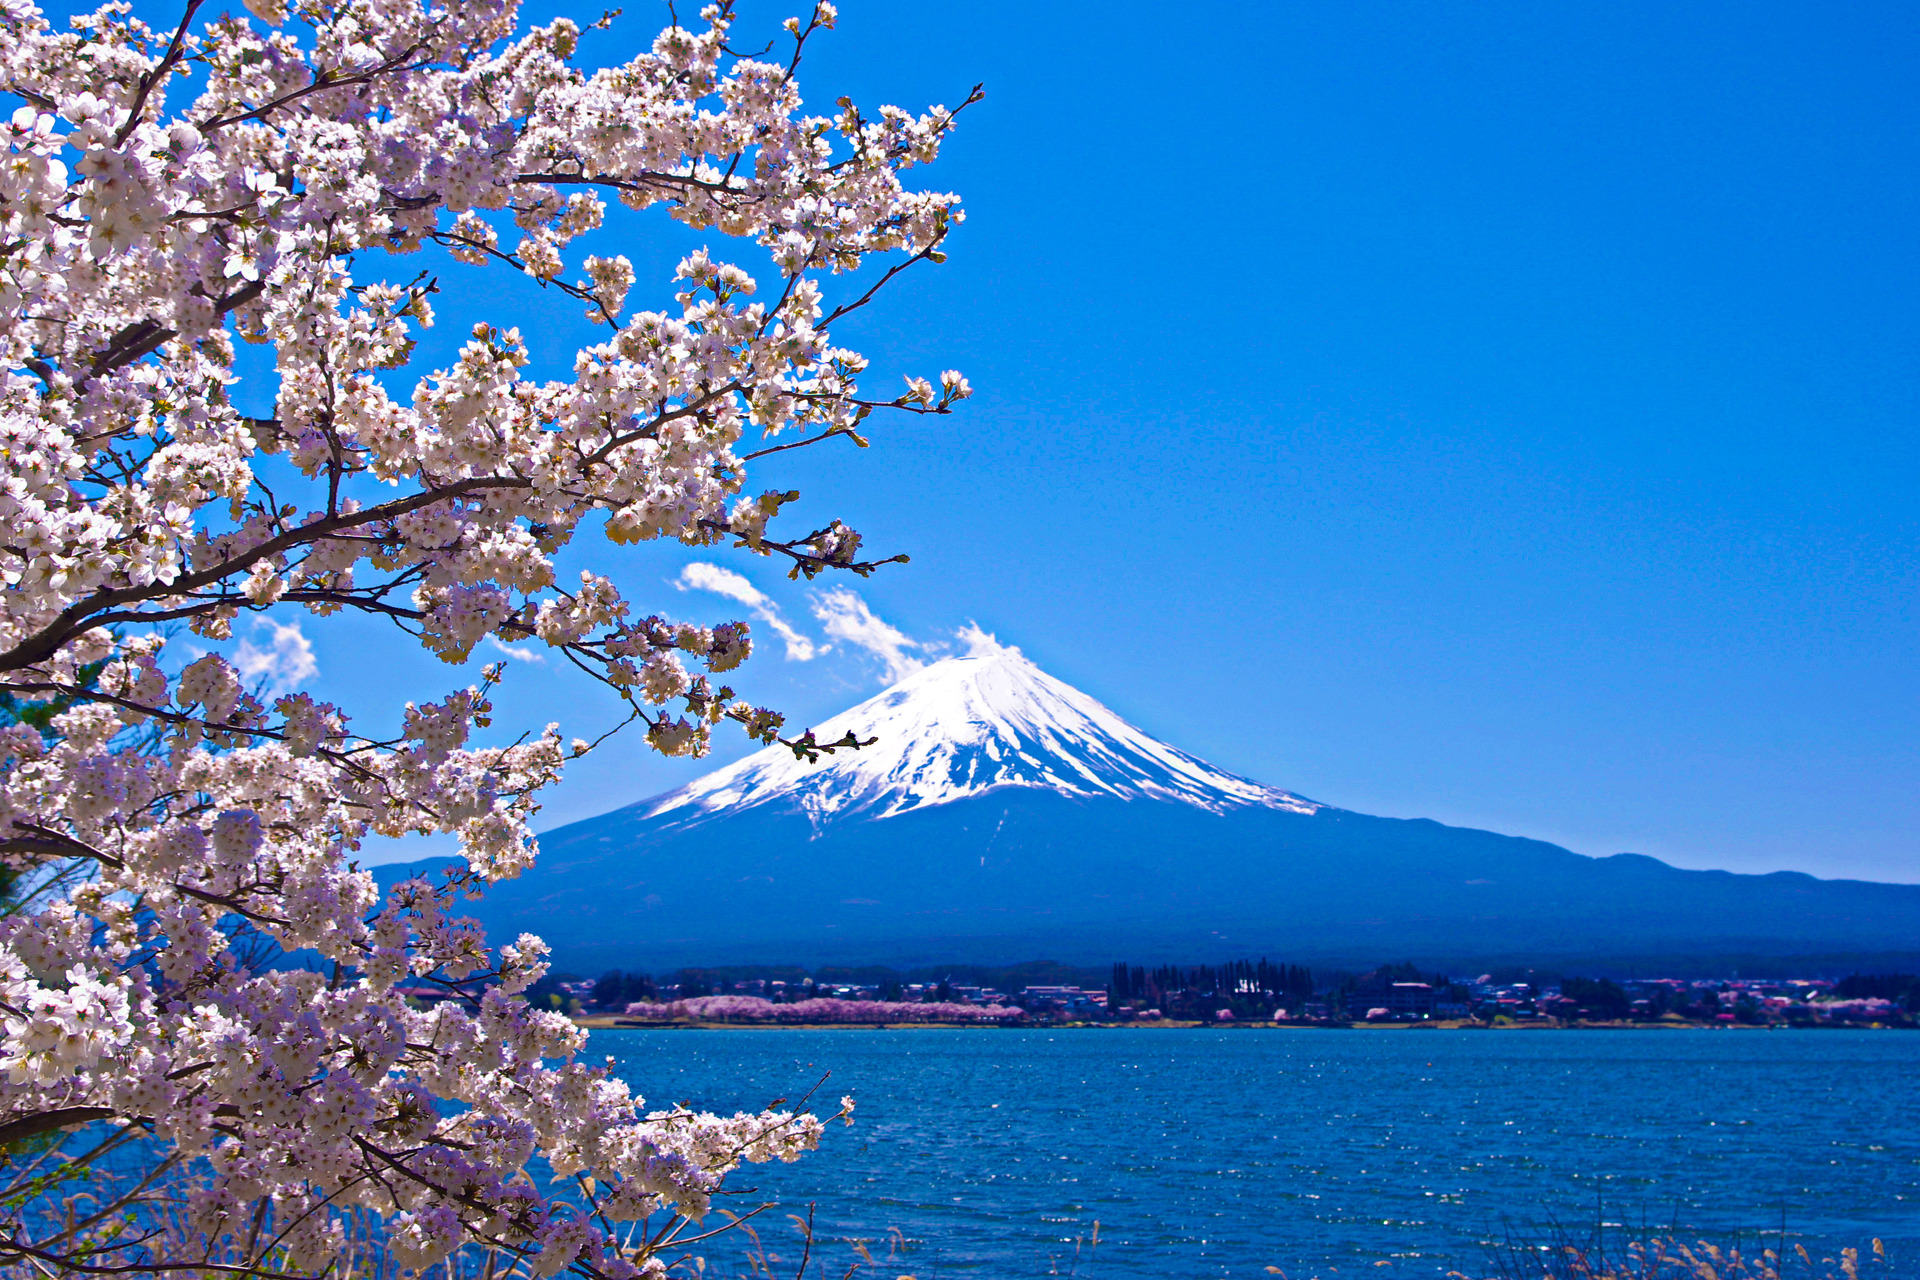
(821, 1009)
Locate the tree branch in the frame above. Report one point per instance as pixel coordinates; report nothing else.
(47, 1121)
(75, 618)
(153, 77)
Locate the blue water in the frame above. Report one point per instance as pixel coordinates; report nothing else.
(1222, 1153)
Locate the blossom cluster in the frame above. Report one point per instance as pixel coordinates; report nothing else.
(821, 1009)
(1860, 1009)
(200, 961)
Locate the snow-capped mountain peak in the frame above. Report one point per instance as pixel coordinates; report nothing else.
(963, 726)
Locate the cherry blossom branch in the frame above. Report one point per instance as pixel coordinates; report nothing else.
(43, 645)
(147, 336)
(322, 80)
(159, 72)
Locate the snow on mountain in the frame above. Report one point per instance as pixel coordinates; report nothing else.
(958, 728)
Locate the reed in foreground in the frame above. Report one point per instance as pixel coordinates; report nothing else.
(1671, 1258)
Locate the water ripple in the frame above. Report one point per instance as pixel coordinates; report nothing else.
(1221, 1153)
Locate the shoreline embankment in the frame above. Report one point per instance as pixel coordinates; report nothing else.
(616, 1023)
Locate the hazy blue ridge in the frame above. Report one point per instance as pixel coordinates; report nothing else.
(1020, 873)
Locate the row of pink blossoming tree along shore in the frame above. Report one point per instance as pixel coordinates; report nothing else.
(819, 1010)
(184, 843)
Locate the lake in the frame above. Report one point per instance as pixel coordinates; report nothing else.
(1225, 1152)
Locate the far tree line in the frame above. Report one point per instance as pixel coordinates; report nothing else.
(1258, 988)
(1240, 989)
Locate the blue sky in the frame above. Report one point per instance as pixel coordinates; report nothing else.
(1498, 414)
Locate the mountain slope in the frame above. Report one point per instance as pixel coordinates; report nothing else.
(1003, 815)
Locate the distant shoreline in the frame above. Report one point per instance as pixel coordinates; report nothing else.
(637, 1024)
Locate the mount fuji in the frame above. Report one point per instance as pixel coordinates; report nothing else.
(1001, 815)
(958, 730)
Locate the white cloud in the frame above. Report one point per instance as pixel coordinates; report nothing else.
(285, 664)
(847, 617)
(982, 644)
(800, 648)
(524, 652)
(700, 576)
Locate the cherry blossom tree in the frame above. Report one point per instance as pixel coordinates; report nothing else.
(731, 1008)
(169, 193)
